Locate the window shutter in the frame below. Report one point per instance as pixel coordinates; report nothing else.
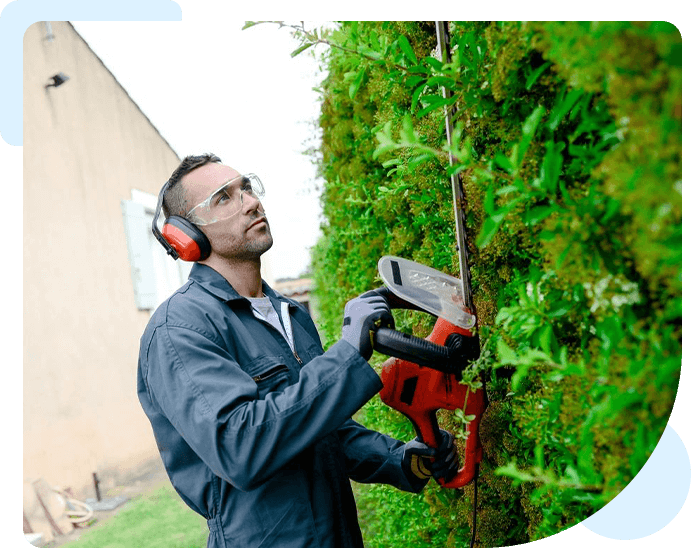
(137, 226)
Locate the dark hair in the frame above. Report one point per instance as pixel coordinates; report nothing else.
(174, 198)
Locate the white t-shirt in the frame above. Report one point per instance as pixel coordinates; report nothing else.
(264, 310)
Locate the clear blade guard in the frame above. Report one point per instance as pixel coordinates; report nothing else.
(435, 292)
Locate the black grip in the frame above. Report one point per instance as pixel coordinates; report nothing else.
(452, 358)
(416, 350)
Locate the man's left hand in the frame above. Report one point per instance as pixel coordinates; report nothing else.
(417, 458)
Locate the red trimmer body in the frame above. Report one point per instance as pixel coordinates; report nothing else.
(419, 391)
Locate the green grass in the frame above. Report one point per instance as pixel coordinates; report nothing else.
(157, 520)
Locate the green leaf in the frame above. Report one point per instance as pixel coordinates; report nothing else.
(488, 203)
(550, 171)
(416, 96)
(505, 353)
(414, 81)
(356, 83)
(386, 140)
(504, 163)
(419, 159)
(407, 49)
(514, 155)
(546, 337)
(508, 189)
(528, 132)
(536, 74)
(302, 48)
(433, 62)
(433, 102)
(408, 135)
(444, 81)
(465, 154)
(536, 214)
(490, 228)
(563, 108)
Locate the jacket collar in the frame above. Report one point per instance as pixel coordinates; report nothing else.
(217, 285)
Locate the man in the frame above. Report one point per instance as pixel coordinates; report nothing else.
(252, 418)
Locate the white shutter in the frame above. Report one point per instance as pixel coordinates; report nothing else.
(137, 227)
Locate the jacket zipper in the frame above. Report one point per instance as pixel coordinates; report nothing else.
(295, 354)
(286, 319)
(288, 326)
(270, 373)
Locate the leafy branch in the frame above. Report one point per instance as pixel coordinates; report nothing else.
(537, 474)
(310, 38)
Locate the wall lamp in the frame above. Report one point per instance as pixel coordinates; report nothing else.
(58, 79)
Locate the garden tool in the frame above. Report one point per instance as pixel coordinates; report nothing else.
(424, 374)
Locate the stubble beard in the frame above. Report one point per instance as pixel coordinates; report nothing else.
(252, 248)
(255, 248)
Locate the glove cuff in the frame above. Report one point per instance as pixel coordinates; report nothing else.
(419, 468)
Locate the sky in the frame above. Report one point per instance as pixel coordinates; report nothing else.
(214, 87)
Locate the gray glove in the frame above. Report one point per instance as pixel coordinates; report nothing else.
(417, 457)
(362, 316)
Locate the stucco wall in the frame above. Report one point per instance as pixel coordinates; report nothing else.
(86, 145)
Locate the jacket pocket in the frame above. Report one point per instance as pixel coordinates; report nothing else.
(271, 378)
(271, 372)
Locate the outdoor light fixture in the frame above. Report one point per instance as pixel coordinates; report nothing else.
(58, 79)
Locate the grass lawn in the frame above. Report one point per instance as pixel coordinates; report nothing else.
(157, 520)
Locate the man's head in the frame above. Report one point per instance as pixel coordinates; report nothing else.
(174, 200)
(245, 235)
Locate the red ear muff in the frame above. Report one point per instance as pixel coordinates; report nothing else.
(190, 243)
(179, 237)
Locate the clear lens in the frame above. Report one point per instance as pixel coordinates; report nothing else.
(226, 201)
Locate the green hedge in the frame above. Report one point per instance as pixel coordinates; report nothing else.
(568, 137)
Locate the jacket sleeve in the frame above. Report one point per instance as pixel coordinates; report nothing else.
(215, 405)
(372, 457)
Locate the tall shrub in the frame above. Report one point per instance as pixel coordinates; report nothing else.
(568, 137)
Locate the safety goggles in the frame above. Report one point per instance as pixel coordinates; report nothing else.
(227, 200)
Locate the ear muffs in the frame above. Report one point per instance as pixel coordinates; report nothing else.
(190, 243)
(180, 238)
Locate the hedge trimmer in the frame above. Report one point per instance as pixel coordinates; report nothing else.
(425, 375)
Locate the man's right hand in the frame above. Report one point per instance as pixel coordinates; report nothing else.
(363, 315)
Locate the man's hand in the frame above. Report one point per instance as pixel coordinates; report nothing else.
(363, 315)
(417, 459)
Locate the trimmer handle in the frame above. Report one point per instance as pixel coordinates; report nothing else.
(408, 347)
(444, 357)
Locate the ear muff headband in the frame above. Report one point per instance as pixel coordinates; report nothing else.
(180, 238)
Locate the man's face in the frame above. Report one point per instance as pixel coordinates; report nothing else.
(246, 235)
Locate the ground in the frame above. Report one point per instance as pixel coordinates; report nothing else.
(150, 477)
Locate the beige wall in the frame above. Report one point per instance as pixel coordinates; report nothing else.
(86, 145)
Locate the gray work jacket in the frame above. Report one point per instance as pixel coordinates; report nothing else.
(257, 438)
